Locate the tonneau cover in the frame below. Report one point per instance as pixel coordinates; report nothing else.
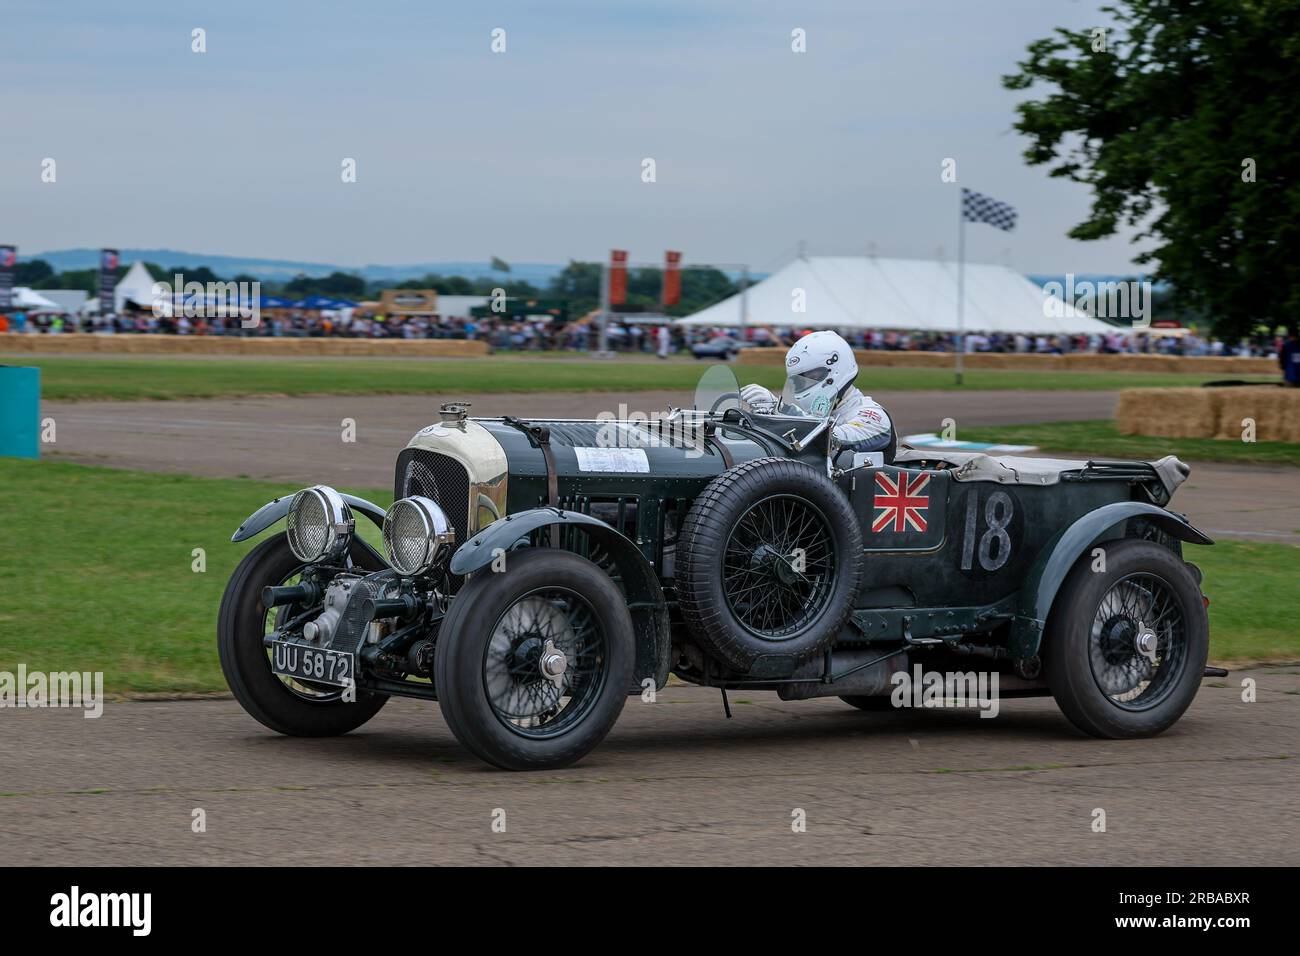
(1020, 470)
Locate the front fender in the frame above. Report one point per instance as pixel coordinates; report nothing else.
(479, 550)
(273, 511)
(645, 596)
(1059, 555)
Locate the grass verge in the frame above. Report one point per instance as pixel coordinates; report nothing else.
(1247, 583)
(124, 379)
(98, 565)
(98, 571)
(1100, 439)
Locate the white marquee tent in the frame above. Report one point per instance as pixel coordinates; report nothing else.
(22, 297)
(903, 294)
(137, 287)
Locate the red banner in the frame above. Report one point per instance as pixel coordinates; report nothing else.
(617, 276)
(672, 278)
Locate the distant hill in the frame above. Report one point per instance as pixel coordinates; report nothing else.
(63, 260)
(281, 270)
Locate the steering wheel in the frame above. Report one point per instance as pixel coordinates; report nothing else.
(725, 396)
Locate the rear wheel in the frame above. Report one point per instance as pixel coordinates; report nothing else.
(283, 704)
(533, 664)
(1125, 648)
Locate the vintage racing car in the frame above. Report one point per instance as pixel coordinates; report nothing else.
(537, 573)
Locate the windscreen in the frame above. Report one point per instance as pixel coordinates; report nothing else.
(717, 390)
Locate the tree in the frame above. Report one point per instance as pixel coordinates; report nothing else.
(452, 285)
(336, 285)
(579, 283)
(342, 284)
(200, 274)
(31, 273)
(701, 288)
(1185, 121)
(84, 279)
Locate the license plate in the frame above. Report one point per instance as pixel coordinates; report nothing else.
(316, 665)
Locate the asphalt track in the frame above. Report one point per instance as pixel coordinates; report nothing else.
(299, 440)
(674, 783)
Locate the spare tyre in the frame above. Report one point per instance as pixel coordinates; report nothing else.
(769, 558)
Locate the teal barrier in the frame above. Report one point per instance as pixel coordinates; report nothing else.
(20, 412)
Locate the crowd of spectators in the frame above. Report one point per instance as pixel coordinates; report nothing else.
(1160, 342)
(527, 334)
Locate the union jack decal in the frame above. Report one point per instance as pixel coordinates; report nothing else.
(899, 502)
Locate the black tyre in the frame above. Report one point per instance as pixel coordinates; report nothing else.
(872, 704)
(769, 558)
(502, 699)
(284, 705)
(1125, 648)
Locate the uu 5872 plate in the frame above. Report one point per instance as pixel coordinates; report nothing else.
(316, 665)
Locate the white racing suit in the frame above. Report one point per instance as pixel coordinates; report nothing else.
(860, 423)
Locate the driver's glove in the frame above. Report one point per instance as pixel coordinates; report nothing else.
(758, 398)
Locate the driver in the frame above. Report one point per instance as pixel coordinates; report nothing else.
(820, 369)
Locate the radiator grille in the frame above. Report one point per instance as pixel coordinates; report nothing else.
(440, 477)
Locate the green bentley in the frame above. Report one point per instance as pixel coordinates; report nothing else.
(537, 573)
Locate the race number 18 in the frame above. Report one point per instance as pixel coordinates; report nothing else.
(994, 545)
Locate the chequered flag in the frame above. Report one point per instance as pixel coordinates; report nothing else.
(976, 207)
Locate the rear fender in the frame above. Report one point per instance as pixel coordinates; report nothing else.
(645, 597)
(1059, 555)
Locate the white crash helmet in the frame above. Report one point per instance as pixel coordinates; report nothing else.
(818, 368)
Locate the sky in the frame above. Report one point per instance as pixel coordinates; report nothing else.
(534, 154)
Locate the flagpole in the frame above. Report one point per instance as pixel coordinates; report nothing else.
(961, 286)
(602, 341)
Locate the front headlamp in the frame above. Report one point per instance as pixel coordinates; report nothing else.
(417, 535)
(320, 524)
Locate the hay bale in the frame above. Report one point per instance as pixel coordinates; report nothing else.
(756, 356)
(1275, 412)
(131, 344)
(1168, 412)
(1210, 412)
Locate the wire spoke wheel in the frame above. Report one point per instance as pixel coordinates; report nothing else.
(243, 623)
(545, 663)
(1138, 642)
(778, 566)
(767, 565)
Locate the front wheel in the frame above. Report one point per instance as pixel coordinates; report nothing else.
(533, 664)
(284, 705)
(1125, 648)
